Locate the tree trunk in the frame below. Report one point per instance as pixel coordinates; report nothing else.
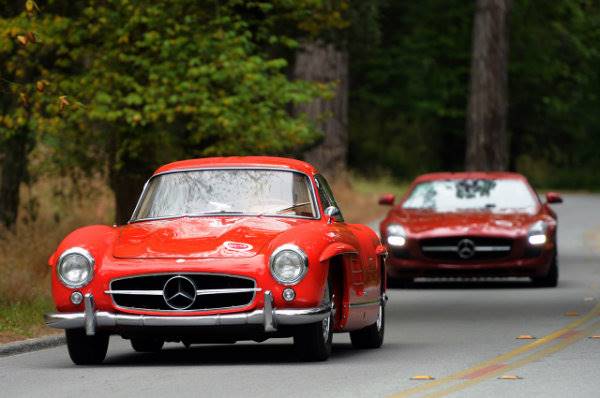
(127, 187)
(322, 62)
(13, 162)
(487, 141)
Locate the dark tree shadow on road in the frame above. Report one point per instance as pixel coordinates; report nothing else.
(231, 354)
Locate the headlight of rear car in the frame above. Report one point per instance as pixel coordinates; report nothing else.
(75, 267)
(288, 264)
(396, 235)
(536, 235)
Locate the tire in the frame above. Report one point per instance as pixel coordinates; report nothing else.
(147, 344)
(86, 350)
(313, 341)
(551, 278)
(372, 335)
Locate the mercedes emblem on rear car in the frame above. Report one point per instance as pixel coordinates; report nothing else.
(179, 292)
(466, 249)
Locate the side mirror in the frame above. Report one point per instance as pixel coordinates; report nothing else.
(553, 197)
(387, 199)
(332, 212)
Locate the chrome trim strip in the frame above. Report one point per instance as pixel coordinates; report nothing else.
(136, 292)
(227, 291)
(455, 248)
(108, 320)
(301, 316)
(200, 292)
(492, 248)
(367, 304)
(439, 248)
(315, 203)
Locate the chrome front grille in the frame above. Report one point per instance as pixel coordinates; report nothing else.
(466, 248)
(182, 292)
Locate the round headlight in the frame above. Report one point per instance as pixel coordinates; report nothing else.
(75, 267)
(288, 264)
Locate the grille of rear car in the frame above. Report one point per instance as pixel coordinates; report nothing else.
(466, 248)
(212, 291)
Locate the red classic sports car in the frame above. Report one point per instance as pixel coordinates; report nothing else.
(220, 250)
(471, 224)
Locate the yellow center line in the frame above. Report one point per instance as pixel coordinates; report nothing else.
(501, 358)
(518, 364)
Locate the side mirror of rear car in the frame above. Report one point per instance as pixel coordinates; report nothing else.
(553, 197)
(332, 213)
(387, 199)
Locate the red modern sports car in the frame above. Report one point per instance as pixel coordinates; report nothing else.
(471, 224)
(220, 250)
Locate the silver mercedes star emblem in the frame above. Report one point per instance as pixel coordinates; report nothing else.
(466, 249)
(179, 292)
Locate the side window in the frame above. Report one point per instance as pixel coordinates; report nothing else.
(326, 195)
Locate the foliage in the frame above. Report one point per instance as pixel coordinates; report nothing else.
(410, 92)
(164, 80)
(554, 83)
(125, 85)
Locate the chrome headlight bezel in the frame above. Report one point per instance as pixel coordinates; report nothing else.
(77, 251)
(397, 233)
(537, 233)
(303, 264)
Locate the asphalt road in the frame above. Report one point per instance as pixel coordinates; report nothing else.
(462, 334)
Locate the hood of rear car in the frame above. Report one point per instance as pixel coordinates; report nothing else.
(428, 223)
(200, 237)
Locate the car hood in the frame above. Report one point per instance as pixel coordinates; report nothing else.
(205, 237)
(428, 223)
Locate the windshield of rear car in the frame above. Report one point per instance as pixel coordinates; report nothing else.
(227, 192)
(494, 195)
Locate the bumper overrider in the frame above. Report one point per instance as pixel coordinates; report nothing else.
(269, 317)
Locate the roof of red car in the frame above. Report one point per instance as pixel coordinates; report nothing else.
(239, 161)
(469, 175)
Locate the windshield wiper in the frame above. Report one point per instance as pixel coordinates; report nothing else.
(292, 207)
(213, 213)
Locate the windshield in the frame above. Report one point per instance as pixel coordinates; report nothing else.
(499, 195)
(227, 191)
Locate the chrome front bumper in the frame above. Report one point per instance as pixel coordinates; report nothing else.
(269, 317)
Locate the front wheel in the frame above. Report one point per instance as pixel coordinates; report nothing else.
(84, 349)
(372, 335)
(550, 279)
(313, 341)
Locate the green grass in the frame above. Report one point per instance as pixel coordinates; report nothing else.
(23, 318)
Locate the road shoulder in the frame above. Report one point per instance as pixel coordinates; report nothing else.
(38, 343)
